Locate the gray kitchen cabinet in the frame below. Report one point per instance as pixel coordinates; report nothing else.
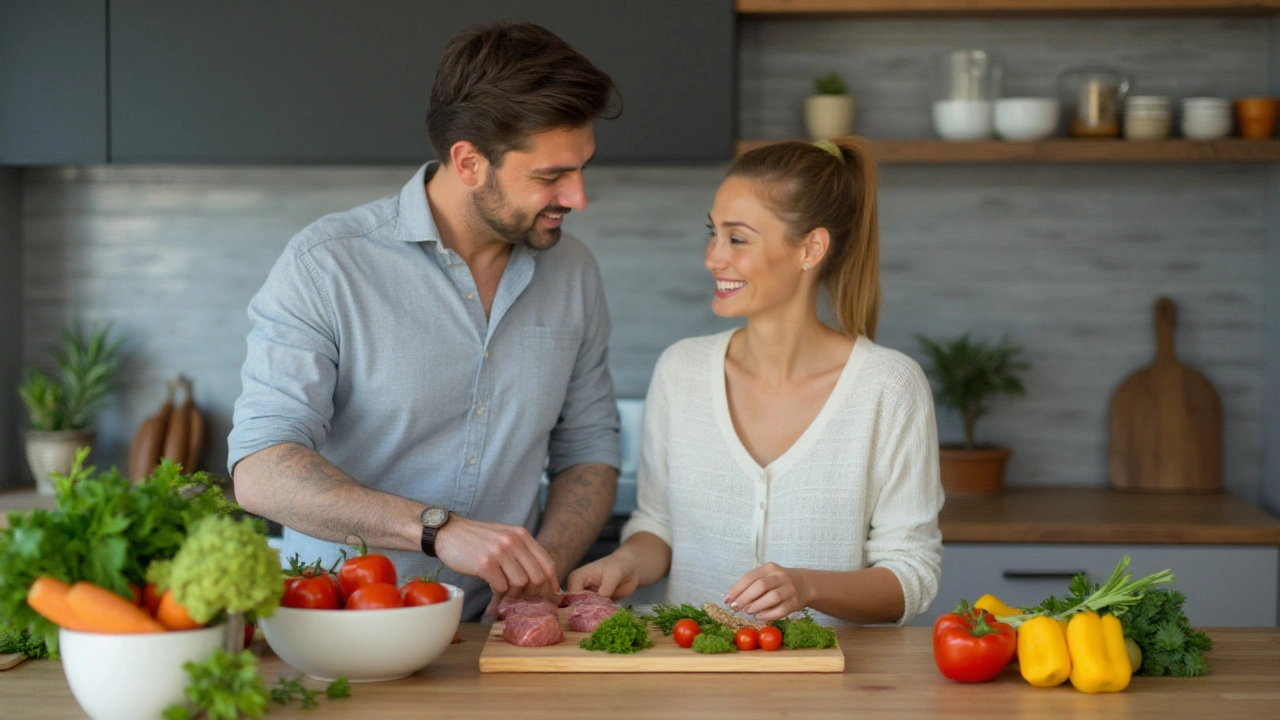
(53, 82)
(335, 81)
(1225, 585)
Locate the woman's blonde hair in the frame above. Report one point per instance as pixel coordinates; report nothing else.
(828, 185)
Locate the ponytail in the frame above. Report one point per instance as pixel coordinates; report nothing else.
(830, 184)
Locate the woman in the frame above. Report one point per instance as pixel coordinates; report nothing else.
(786, 464)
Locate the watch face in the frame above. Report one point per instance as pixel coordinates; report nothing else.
(434, 516)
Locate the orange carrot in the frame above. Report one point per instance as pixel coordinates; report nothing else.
(106, 612)
(150, 599)
(48, 596)
(172, 615)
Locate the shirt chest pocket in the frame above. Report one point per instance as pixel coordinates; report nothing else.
(547, 357)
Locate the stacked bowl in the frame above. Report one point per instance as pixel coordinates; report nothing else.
(1147, 117)
(1206, 118)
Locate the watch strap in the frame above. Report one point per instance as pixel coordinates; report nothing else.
(429, 540)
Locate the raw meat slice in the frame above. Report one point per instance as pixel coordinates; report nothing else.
(532, 630)
(525, 606)
(586, 596)
(586, 616)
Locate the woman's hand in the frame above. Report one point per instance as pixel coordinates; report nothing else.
(768, 592)
(614, 575)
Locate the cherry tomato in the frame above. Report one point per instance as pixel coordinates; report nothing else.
(375, 596)
(364, 569)
(421, 591)
(248, 634)
(317, 592)
(770, 638)
(685, 631)
(748, 638)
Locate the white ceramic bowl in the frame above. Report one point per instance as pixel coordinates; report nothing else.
(1023, 119)
(363, 645)
(962, 119)
(132, 677)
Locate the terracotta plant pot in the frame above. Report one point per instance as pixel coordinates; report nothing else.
(54, 452)
(973, 472)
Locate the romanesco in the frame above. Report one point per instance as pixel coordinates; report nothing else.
(225, 564)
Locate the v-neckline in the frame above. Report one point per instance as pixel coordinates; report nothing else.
(802, 445)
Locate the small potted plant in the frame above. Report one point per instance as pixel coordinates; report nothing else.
(62, 406)
(828, 113)
(967, 375)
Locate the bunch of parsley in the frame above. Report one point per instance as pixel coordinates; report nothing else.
(1170, 646)
(621, 632)
(103, 530)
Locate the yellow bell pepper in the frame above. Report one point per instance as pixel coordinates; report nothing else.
(1099, 660)
(1043, 658)
(993, 605)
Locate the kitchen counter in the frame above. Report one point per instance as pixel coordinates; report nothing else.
(888, 672)
(1044, 515)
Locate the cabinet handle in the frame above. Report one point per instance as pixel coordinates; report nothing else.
(1041, 574)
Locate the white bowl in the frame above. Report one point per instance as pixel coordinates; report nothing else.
(363, 645)
(132, 677)
(1023, 119)
(962, 119)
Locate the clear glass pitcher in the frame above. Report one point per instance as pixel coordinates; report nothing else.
(965, 85)
(1092, 96)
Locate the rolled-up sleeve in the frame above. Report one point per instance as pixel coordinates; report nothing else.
(904, 535)
(652, 513)
(291, 367)
(587, 430)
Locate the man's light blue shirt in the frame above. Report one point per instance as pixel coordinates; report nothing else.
(370, 345)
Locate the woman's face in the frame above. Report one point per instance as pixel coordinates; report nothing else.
(755, 268)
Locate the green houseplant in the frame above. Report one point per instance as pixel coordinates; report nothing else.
(61, 405)
(967, 375)
(828, 112)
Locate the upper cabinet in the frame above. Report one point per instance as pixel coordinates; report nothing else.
(53, 81)
(902, 7)
(334, 81)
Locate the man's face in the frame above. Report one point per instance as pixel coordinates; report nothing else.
(524, 201)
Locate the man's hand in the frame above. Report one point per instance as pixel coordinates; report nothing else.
(505, 556)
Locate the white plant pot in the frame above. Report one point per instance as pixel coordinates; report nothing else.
(132, 677)
(828, 116)
(54, 452)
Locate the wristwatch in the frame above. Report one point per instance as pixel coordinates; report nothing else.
(433, 518)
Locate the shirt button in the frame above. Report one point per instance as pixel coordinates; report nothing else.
(479, 409)
(486, 354)
(470, 295)
(471, 461)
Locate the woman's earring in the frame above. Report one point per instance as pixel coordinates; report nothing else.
(806, 266)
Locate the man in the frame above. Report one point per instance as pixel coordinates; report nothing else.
(415, 363)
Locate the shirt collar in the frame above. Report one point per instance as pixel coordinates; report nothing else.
(414, 222)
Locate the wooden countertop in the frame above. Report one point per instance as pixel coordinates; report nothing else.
(889, 673)
(1095, 515)
(1043, 515)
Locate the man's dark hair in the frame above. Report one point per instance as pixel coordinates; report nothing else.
(500, 83)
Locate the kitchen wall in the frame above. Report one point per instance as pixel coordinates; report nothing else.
(1066, 260)
(11, 462)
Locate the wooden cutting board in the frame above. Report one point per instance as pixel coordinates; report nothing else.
(665, 656)
(1166, 423)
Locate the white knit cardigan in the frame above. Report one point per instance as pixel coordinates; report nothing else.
(859, 489)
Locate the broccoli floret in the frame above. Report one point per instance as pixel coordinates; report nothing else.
(226, 564)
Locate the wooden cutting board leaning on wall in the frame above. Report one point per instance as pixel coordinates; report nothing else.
(1166, 423)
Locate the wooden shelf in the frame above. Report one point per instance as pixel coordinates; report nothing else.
(1011, 7)
(1064, 150)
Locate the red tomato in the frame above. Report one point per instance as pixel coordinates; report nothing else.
(364, 569)
(770, 638)
(317, 592)
(421, 591)
(972, 646)
(748, 638)
(375, 596)
(248, 634)
(685, 631)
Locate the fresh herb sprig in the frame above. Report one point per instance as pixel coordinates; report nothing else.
(1170, 646)
(1115, 596)
(621, 632)
(23, 642)
(224, 687)
(665, 617)
(286, 690)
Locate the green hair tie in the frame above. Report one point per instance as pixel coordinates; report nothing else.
(831, 148)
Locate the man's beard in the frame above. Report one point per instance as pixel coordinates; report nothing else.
(488, 205)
